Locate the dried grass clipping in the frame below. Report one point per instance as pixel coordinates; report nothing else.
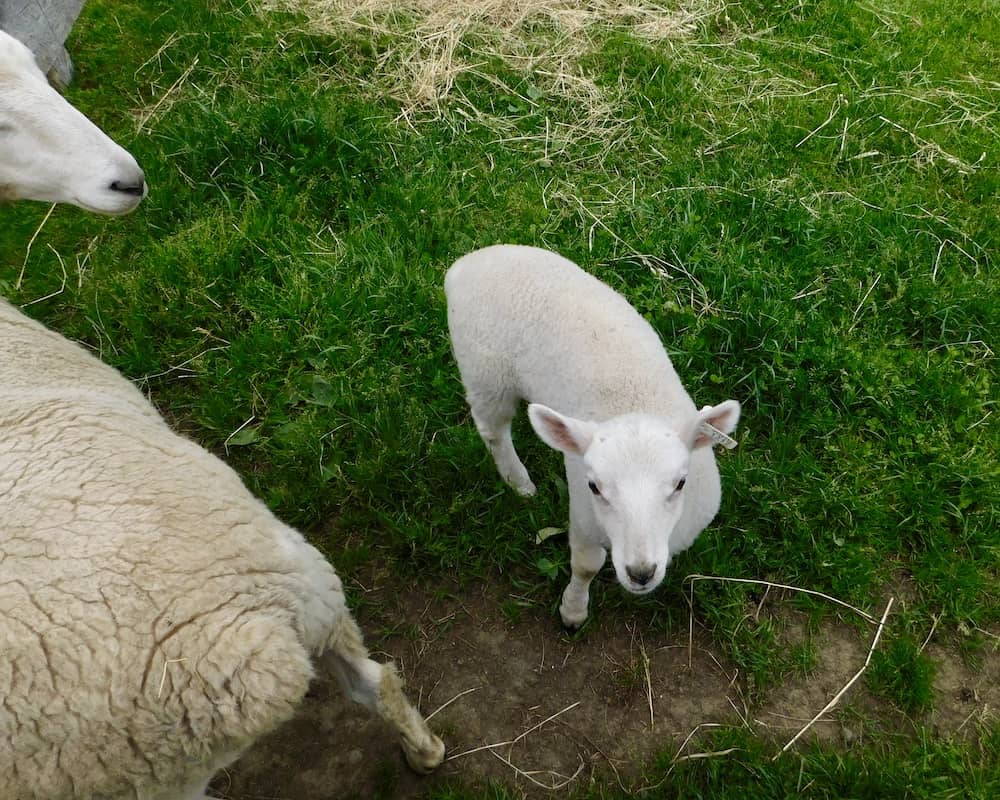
(436, 41)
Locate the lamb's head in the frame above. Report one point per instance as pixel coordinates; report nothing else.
(51, 152)
(635, 468)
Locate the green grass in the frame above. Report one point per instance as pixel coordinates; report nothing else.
(903, 674)
(924, 770)
(279, 296)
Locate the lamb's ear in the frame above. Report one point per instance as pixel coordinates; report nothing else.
(714, 424)
(559, 432)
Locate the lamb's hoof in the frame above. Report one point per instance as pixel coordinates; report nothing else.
(525, 489)
(517, 478)
(572, 622)
(427, 758)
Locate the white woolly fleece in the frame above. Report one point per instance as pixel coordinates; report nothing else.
(155, 618)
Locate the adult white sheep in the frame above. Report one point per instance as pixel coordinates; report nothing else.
(527, 324)
(155, 618)
(51, 152)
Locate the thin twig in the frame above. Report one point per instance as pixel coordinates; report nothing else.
(936, 619)
(713, 754)
(546, 720)
(677, 756)
(479, 749)
(854, 318)
(182, 365)
(690, 621)
(969, 716)
(445, 705)
(833, 113)
(31, 241)
(229, 438)
(62, 287)
(528, 775)
(649, 682)
(512, 742)
(698, 727)
(985, 632)
(696, 577)
(184, 76)
(836, 698)
(163, 677)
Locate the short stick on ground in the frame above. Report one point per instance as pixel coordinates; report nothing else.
(836, 698)
(512, 742)
(711, 754)
(62, 287)
(31, 241)
(443, 706)
(156, 106)
(546, 721)
(529, 775)
(936, 619)
(678, 757)
(649, 681)
(812, 592)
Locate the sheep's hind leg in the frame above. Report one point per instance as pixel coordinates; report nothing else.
(493, 417)
(586, 561)
(379, 688)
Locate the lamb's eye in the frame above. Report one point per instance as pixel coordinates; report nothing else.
(593, 489)
(680, 484)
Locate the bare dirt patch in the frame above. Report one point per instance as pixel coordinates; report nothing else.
(610, 700)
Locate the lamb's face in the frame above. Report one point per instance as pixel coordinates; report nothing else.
(636, 467)
(51, 152)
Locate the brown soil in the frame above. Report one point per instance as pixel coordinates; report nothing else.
(504, 677)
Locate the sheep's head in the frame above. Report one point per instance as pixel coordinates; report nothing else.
(635, 469)
(51, 152)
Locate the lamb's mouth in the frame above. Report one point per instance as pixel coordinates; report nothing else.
(640, 590)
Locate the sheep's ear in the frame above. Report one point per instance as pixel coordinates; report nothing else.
(559, 432)
(714, 424)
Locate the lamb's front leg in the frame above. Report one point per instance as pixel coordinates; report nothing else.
(586, 560)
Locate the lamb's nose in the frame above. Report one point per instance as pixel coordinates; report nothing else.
(641, 573)
(133, 188)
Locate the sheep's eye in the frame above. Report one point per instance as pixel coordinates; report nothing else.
(680, 484)
(593, 489)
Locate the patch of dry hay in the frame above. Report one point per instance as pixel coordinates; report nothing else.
(437, 41)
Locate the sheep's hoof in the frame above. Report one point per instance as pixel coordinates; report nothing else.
(424, 759)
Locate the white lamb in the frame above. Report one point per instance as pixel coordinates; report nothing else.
(155, 618)
(49, 151)
(527, 324)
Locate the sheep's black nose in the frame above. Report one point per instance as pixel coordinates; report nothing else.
(134, 189)
(641, 573)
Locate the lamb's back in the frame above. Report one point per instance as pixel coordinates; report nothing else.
(559, 335)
